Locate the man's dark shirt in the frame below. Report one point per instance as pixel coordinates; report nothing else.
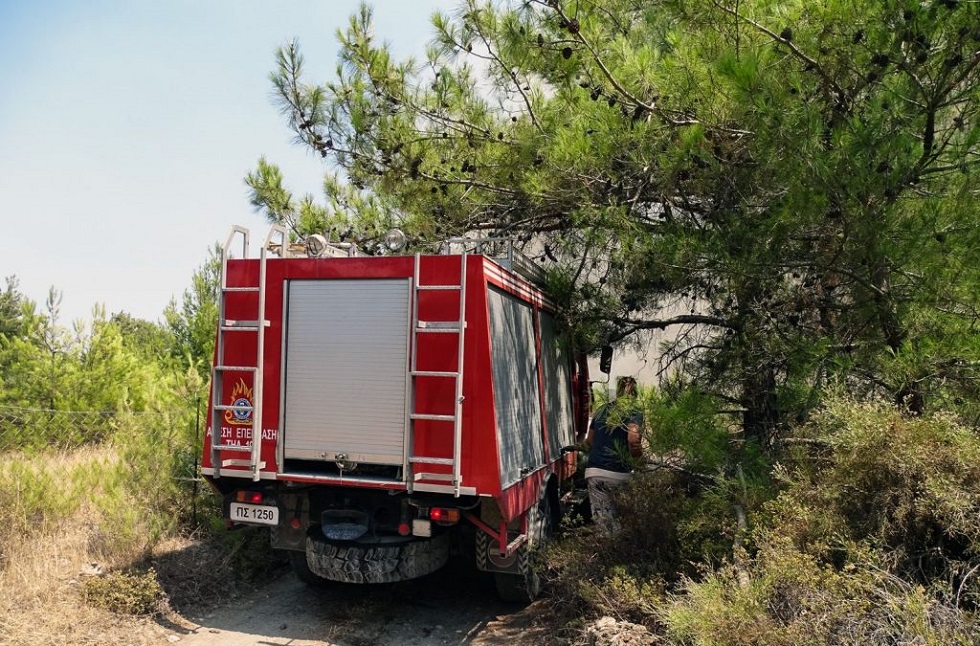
(610, 445)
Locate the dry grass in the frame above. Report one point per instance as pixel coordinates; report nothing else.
(42, 493)
(60, 513)
(43, 590)
(39, 489)
(111, 511)
(41, 593)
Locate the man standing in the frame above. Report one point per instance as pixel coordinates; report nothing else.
(613, 443)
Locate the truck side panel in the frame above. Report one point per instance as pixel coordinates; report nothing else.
(515, 384)
(557, 363)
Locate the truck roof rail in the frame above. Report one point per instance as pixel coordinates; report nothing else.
(503, 251)
(318, 246)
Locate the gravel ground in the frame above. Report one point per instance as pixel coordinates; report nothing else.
(452, 606)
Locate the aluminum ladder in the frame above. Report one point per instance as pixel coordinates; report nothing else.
(457, 327)
(225, 326)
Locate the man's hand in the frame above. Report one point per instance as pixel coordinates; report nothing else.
(633, 440)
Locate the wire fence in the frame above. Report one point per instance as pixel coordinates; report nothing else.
(24, 428)
(56, 461)
(28, 428)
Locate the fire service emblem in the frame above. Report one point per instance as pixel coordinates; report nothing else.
(240, 396)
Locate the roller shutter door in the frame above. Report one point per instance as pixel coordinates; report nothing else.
(346, 370)
(557, 387)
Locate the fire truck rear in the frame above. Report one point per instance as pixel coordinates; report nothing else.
(379, 412)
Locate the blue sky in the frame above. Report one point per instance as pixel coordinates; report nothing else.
(126, 128)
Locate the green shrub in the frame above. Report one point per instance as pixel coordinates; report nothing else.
(130, 593)
(874, 538)
(867, 531)
(669, 529)
(786, 598)
(686, 421)
(909, 486)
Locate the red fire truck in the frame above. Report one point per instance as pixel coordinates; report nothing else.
(374, 411)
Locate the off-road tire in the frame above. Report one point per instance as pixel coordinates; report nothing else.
(524, 585)
(299, 566)
(355, 563)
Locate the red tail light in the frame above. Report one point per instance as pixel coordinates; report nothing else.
(444, 515)
(253, 497)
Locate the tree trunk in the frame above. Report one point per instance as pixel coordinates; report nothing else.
(761, 418)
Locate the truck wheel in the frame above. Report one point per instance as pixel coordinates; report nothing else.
(524, 585)
(422, 557)
(299, 566)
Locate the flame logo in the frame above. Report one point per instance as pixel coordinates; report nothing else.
(241, 395)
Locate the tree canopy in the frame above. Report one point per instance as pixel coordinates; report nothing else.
(791, 185)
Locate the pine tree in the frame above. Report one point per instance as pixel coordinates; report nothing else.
(790, 185)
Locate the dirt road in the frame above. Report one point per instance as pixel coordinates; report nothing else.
(449, 607)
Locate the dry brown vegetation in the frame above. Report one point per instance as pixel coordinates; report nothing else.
(95, 546)
(866, 532)
(72, 583)
(42, 592)
(61, 516)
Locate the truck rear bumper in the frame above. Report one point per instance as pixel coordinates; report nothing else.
(347, 481)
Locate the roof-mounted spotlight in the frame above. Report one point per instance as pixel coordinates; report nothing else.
(395, 240)
(316, 244)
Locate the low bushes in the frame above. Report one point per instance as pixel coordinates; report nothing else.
(131, 593)
(109, 502)
(867, 531)
(129, 483)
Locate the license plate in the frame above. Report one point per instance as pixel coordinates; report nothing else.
(254, 514)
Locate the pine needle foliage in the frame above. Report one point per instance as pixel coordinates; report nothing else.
(789, 186)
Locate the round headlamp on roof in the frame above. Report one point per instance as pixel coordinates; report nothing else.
(396, 240)
(316, 244)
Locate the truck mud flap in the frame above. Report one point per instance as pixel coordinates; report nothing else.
(353, 563)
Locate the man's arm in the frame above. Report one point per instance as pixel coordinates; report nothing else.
(633, 438)
(598, 417)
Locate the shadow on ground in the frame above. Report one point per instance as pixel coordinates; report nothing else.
(217, 605)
